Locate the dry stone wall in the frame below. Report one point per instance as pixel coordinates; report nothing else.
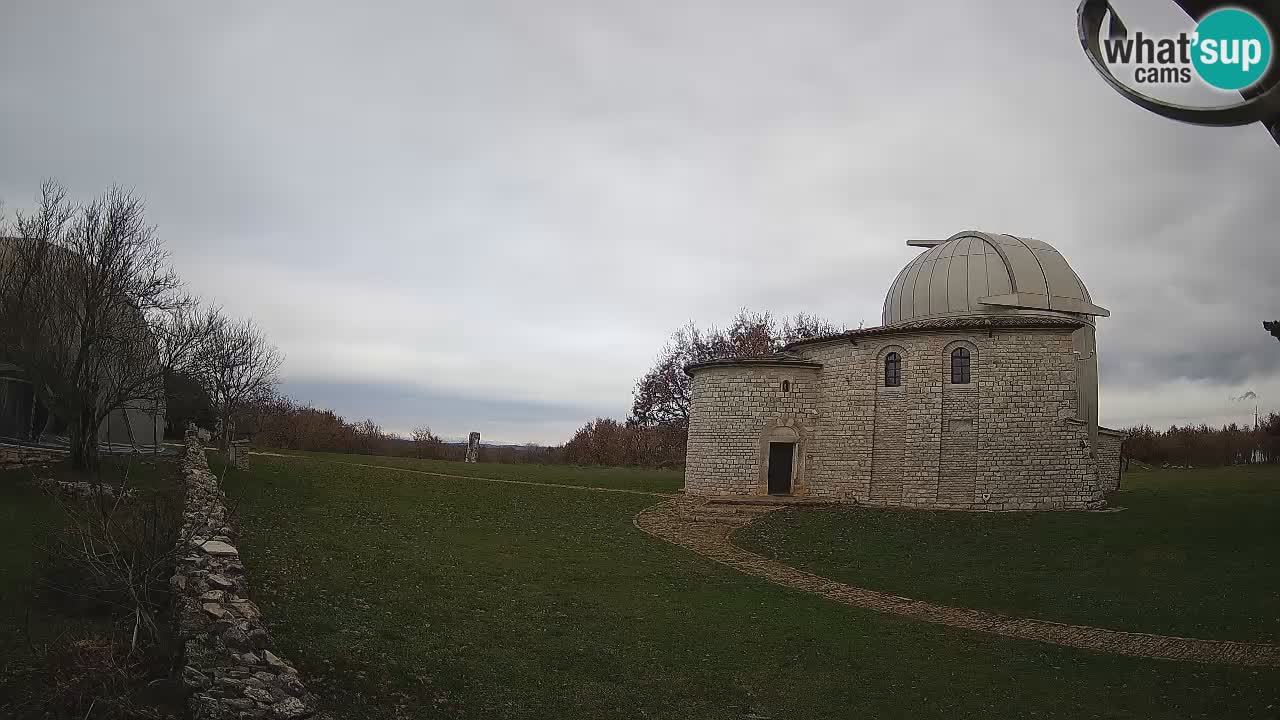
(13, 457)
(1004, 441)
(1110, 443)
(81, 490)
(231, 666)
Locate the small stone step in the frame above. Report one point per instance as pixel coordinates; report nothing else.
(732, 520)
(765, 500)
(738, 509)
(715, 509)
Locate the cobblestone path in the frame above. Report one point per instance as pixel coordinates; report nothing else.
(705, 528)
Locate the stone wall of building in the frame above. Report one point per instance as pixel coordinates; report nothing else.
(230, 666)
(888, 443)
(734, 409)
(958, 456)
(1001, 442)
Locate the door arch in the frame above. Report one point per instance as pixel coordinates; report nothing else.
(782, 445)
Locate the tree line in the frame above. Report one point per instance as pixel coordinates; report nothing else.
(278, 421)
(1204, 446)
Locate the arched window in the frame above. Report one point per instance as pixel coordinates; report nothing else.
(960, 366)
(892, 370)
(786, 386)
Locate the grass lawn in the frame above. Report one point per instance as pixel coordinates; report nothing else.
(662, 481)
(1193, 553)
(26, 516)
(25, 513)
(402, 595)
(34, 619)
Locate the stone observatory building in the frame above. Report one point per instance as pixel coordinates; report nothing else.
(978, 392)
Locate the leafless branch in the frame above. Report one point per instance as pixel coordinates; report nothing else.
(87, 298)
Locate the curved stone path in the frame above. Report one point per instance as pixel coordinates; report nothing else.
(686, 522)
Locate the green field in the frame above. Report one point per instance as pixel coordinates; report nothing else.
(1193, 553)
(25, 516)
(406, 595)
(661, 481)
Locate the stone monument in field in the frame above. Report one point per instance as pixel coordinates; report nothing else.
(473, 447)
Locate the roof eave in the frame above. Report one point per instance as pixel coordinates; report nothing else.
(691, 368)
(991, 322)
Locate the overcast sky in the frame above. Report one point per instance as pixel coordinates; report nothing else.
(489, 216)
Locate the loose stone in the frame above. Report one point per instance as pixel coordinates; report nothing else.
(236, 638)
(259, 638)
(240, 703)
(218, 547)
(290, 709)
(219, 582)
(273, 660)
(216, 610)
(258, 694)
(291, 684)
(245, 609)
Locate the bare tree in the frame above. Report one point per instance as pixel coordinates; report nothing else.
(426, 444)
(87, 294)
(662, 396)
(369, 438)
(238, 366)
(124, 554)
(803, 326)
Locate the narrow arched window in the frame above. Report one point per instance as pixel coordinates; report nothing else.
(892, 370)
(786, 386)
(960, 366)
